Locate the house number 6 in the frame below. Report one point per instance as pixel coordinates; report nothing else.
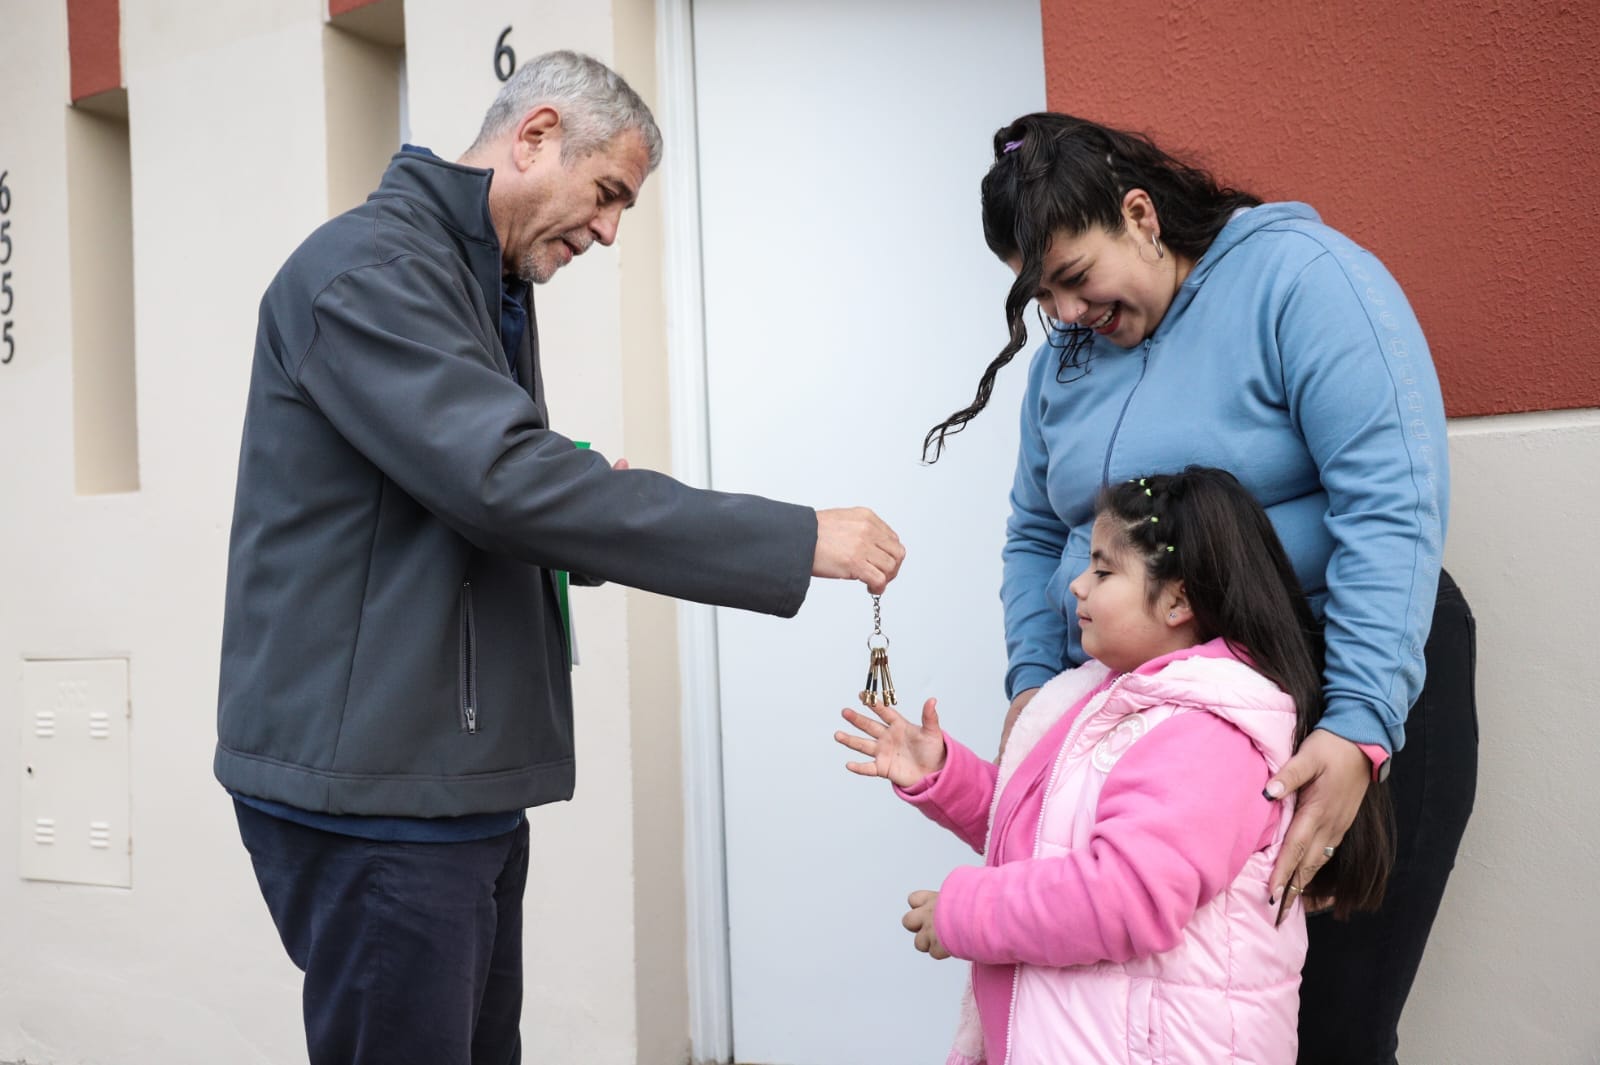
(505, 60)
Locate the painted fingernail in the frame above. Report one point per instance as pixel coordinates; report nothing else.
(1273, 791)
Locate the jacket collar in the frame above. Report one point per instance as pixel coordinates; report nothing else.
(458, 198)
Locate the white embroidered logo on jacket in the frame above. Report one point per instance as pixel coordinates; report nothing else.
(1228, 993)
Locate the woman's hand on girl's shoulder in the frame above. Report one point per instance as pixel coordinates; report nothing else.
(1331, 776)
(903, 753)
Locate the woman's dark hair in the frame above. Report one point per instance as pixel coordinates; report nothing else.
(1054, 172)
(1202, 527)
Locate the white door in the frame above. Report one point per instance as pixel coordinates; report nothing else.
(850, 304)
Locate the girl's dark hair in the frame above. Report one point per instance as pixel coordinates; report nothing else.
(1066, 173)
(1202, 527)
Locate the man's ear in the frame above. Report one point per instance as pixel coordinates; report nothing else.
(539, 131)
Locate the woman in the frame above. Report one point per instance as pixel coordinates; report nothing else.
(1191, 324)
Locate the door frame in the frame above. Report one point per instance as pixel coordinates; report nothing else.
(708, 954)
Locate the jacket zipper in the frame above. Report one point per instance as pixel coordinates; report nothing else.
(469, 663)
(1038, 836)
(1144, 365)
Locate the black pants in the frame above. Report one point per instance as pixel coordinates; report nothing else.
(1359, 972)
(412, 951)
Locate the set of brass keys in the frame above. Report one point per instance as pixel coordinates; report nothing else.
(879, 690)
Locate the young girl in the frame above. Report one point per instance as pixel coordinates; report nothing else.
(1122, 913)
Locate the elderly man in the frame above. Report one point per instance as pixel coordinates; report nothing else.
(395, 684)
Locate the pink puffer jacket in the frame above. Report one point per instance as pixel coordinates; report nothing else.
(1120, 945)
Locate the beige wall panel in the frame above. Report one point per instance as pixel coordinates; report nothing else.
(37, 442)
(36, 478)
(159, 32)
(362, 80)
(105, 430)
(227, 173)
(56, 959)
(1512, 971)
(660, 975)
(450, 49)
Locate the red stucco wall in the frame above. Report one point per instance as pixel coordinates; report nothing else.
(94, 44)
(340, 7)
(1458, 139)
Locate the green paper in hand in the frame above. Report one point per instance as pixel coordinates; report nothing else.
(563, 582)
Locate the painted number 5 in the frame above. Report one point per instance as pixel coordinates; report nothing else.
(505, 60)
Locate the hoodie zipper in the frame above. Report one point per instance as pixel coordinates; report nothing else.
(1144, 366)
(1089, 711)
(469, 663)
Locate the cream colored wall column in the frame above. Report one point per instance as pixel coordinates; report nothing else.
(660, 903)
(1512, 971)
(227, 167)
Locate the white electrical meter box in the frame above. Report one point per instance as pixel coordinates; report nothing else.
(75, 786)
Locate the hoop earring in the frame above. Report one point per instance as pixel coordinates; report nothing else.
(1161, 253)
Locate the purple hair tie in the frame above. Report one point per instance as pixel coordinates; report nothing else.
(1010, 147)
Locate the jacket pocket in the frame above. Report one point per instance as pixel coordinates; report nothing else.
(469, 663)
(1144, 1034)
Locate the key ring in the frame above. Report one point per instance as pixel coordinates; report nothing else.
(879, 688)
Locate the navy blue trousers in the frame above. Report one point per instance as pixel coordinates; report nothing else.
(1359, 972)
(412, 952)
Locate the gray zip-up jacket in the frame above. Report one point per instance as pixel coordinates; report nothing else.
(392, 641)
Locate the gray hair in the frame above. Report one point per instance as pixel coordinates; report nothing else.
(594, 102)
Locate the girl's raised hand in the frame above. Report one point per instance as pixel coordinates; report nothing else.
(900, 751)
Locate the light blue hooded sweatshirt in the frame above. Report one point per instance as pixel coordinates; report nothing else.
(1290, 357)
